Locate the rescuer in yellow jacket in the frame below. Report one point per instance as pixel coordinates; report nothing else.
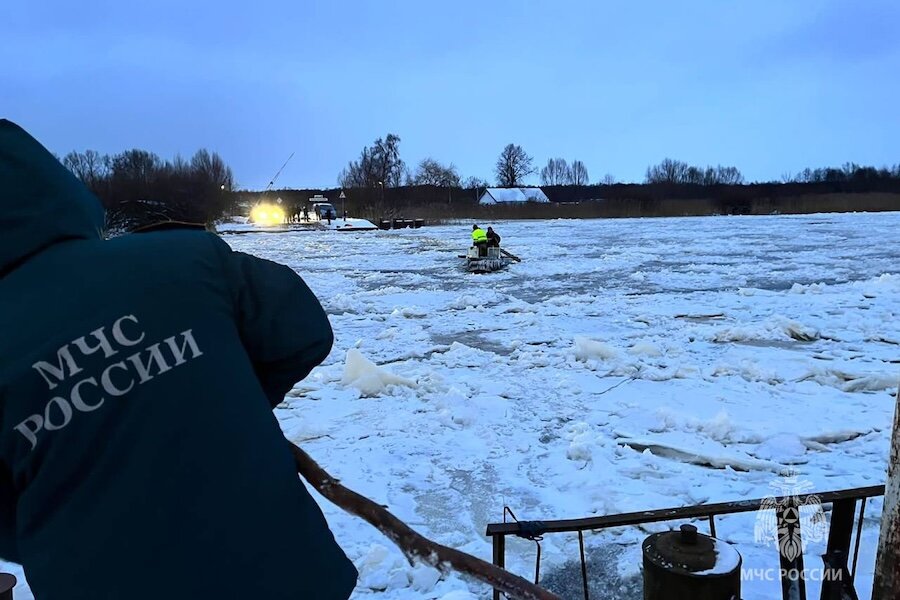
(479, 240)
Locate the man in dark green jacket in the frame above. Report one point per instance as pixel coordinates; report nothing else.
(139, 456)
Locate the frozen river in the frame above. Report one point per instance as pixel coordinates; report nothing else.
(622, 365)
(747, 345)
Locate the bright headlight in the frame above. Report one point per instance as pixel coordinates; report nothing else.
(267, 215)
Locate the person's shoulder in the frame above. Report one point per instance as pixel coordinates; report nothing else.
(175, 240)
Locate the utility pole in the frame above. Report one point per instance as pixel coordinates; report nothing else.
(887, 566)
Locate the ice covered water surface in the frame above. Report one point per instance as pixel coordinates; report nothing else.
(622, 365)
(741, 346)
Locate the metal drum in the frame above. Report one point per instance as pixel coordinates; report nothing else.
(7, 583)
(687, 565)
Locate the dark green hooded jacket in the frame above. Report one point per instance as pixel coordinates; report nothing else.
(139, 456)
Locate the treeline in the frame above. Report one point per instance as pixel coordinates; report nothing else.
(671, 187)
(138, 188)
(674, 188)
(380, 165)
(850, 172)
(676, 171)
(437, 204)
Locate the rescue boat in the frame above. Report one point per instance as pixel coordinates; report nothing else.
(496, 259)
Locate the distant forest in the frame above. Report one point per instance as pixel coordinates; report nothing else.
(137, 188)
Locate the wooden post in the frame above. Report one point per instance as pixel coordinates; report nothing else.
(887, 566)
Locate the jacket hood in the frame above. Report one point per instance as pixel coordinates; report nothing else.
(41, 201)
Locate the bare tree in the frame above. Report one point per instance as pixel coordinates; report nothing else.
(557, 172)
(90, 166)
(698, 176)
(668, 171)
(475, 183)
(676, 171)
(718, 175)
(210, 168)
(512, 166)
(379, 164)
(579, 173)
(387, 157)
(729, 175)
(136, 166)
(431, 172)
(608, 179)
(74, 161)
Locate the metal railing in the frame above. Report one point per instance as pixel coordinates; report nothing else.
(843, 515)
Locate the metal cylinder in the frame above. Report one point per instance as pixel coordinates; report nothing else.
(7, 583)
(687, 565)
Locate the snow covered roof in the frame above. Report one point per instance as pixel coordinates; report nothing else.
(493, 195)
(535, 195)
(521, 194)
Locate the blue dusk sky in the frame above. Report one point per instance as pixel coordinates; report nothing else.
(768, 86)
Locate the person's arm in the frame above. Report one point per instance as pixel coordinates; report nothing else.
(284, 329)
(8, 549)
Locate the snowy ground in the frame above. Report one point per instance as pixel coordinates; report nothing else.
(743, 346)
(242, 225)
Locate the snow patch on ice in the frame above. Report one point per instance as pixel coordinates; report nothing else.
(459, 595)
(344, 303)
(776, 327)
(720, 428)
(812, 288)
(387, 334)
(800, 332)
(586, 348)
(423, 578)
(699, 452)
(409, 312)
(749, 371)
(461, 355)
(783, 448)
(645, 349)
(367, 377)
(580, 441)
(382, 570)
(852, 382)
(478, 300)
